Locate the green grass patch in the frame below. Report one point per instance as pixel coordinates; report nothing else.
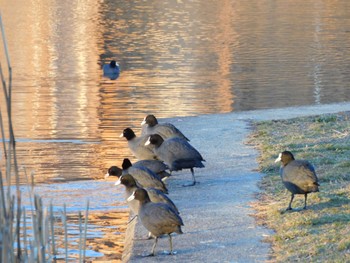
(322, 232)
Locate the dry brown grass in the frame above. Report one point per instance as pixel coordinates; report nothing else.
(322, 232)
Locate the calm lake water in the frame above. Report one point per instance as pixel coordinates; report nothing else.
(177, 58)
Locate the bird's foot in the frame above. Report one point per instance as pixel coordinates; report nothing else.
(190, 184)
(143, 238)
(148, 255)
(165, 252)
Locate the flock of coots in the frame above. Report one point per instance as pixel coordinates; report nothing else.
(160, 149)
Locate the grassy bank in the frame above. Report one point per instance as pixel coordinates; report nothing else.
(322, 232)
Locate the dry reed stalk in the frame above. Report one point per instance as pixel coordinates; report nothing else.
(53, 244)
(85, 227)
(80, 237)
(64, 221)
(20, 246)
(3, 136)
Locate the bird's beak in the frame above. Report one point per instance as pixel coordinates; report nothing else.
(118, 182)
(279, 158)
(143, 122)
(121, 135)
(106, 175)
(148, 141)
(131, 197)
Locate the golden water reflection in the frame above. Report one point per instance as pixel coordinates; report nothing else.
(177, 58)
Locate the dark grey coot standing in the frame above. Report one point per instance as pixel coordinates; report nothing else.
(177, 154)
(156, 166)
(130, 186)
(150, 125)
(158, 218)
(155, 195)
(137, 145)
(298, 176)
(144, 176)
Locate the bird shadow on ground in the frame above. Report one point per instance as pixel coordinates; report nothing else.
(325, 211)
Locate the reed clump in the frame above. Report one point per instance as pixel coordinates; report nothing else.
(26, 235)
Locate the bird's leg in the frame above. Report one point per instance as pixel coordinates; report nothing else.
(290, 203)
(149, 235)
(305, 201)
(132, 219)
(154, 247)
(193, 179)
(171, 245)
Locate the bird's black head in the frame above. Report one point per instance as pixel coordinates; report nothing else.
(113, 64)
(114, 171)
(285, 157)
(151, 120)
(126, 164)
(156, 139)
(128, 133)
(141, 194)
(127, 180)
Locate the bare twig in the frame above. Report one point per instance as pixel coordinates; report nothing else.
(3, 132)
(64, 221)
(53, 245)
(80, 237)
(25, 234)
(85, 227)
